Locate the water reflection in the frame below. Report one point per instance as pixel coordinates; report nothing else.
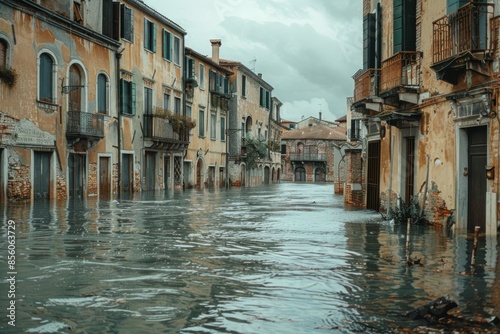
(280, 259)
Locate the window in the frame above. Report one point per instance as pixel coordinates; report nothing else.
(77, 13)
(453, 5)
(46, 79)
(188, 111)
(189, 69)
(128, 97)
(148, 101)
(243, 85)
(404, 25)
(149, 35)
(177, 106)
(213, 126)
(265, 98)
(355, 130)
(218, 83)
(201, 75)
(107, 18)
(167, 45)
(102, 94)
(166, 101)
(371, 39)
(223, 128)
(201, 123)
(4, 47)
(177, 50)
(127, 26)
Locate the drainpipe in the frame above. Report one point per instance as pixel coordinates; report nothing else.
(119, 131)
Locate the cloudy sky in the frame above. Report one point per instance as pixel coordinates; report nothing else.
(307, 50)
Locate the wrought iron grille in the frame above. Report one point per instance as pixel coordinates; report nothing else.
(85, 124)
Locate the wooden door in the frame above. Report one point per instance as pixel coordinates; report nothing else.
(41, 175)
(477, 161)
(373, 182)
(150, 170)
(127, 173)
(76, 175)
(104, 178)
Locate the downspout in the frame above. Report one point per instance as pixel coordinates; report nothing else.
(119, 131)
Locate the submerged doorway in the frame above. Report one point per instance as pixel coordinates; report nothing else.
(476, 177)
(373, 186)
(41, 175)
(76, 175)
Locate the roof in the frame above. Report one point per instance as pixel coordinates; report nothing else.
(319, 132)
(208, 60)
(342, 119)
(246, 70)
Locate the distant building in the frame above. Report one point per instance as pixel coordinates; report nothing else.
(313, 154)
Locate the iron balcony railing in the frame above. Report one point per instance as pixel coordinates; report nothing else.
(308, 157)
(468, 29)
(401, 70)
(83, 124)
(160, 129)
(365, 84)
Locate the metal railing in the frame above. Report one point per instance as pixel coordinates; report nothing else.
(401, 70)
(308, 157)
(83, 124)
(160, 129)
(468, 29)
(365, 84)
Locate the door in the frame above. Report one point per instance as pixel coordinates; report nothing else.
(409, 168)
(266, 175)
(76, 175)
(166, 170)
(373, 182)
(477, 160)
(150, 170)
(300, 174)
(319, 175)
(41, 175)
(104, 178)
(127, 173)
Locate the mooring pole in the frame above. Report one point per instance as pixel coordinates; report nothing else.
(408, 227)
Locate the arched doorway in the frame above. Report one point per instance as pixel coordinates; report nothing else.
(267, 171)
(319, 175)
(243, 175)
(300, 174)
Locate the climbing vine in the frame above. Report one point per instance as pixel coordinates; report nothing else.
(256, 149)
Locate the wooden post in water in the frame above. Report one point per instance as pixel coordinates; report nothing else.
(474, 248)
(408, 227)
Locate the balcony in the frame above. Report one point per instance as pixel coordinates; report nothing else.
(85, 125)
(308, 157)
(465, 40)
(366, 84)
(159, 133)
(400, 78)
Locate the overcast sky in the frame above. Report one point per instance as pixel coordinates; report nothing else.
(307, 50)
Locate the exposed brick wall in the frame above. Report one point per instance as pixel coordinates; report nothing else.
(354, 175)
(19, 180)
(436, 210)
(61, 191)
(92, 179)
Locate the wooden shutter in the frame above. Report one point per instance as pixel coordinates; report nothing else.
(453, 5)
(116, 20)
(147, 37)
(107, 18)
(153, 39)
(132, 98)
(369, 34)
(404, 26)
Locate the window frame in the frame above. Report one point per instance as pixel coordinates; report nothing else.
(201, 75)
(177, 105)
(213, 126)
(128, 103)
(223, 128)
(149, 35)
(127, 23)
(167, 45)
(148, 100)
(166, 101)
(52, 84)
(201, 123)
(177, 51)
(106, 91)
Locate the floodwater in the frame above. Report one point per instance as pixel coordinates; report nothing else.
(286, 258)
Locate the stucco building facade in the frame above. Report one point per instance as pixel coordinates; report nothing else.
(425, 109)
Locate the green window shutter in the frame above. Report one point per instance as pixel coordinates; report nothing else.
(398, 26)
(146, 34)
(153, 40)
(132, 98)
(226, 86)
(369, 34)
(124, 97)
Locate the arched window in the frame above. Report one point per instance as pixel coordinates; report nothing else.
(75, 94)
(4, 47)
(102, 94)
(46, 79)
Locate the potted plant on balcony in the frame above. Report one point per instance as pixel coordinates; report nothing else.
(255, 149)
(8, 75)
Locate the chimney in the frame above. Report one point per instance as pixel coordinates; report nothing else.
(260, 75)
(320, 115)
(216, 43)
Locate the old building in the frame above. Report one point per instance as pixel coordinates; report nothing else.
(428, 106)
(207, 101)
(252, 160)
(80, 86)
(312, 154)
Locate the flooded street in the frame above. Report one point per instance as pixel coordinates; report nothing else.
(286, 258)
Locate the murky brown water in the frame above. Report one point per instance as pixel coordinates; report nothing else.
(280, 259)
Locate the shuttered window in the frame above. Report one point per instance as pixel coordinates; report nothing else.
(453, 5)
(107, 18)
(127, 23)
(102, 94)
(404, 24)
(128, 97)
(149, 35)
(46, 78)
(167, 45)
